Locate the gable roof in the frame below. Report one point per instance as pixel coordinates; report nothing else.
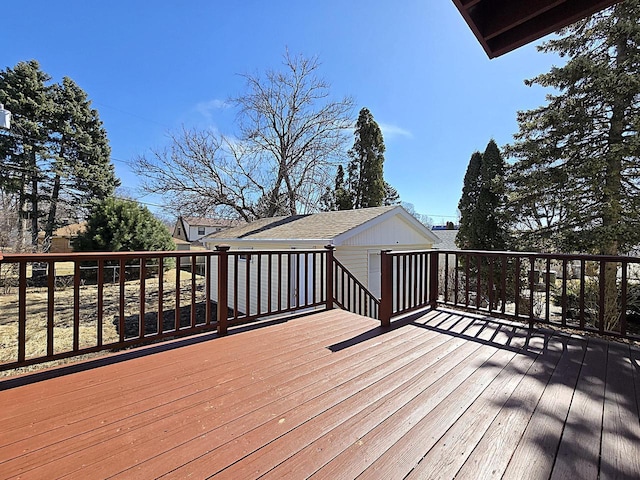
(504, 25)
(447, 239)
(333, 226)
(72, 230)
(210, 222)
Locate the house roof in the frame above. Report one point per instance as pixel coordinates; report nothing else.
(210, 222)
(326, 226)
(504, 25)
(447, 239)
(69, 231)
(179, 241)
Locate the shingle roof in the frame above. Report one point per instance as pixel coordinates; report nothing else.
(210, 222)
(447, 239)
(72, 230)
(324, 225)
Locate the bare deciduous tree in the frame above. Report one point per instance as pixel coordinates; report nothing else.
(290, 135)
(8, 221)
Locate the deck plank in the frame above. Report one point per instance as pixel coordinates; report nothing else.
(465, 380)
(333, 395)
(404, 455)
(228, 442)
(364, 411)
(354, 396)
(97, 430)
(445, 455)
(535, 454)
(128, 394)
(492, 454)
(579, 450)
(620, 450)
(202, 412)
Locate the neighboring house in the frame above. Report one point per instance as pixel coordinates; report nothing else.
(192, 229)
(447, 238)
(357, 235)
(61, 238)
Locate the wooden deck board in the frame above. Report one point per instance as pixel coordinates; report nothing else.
(535, 454)
(231, 441)
(579, 449)
(333, 395)
(620, 446)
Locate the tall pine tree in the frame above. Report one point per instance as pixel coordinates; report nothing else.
(57, 151)
(365, 185)
(366, 178)
(482, 223)
(24, 154)
(583, 147)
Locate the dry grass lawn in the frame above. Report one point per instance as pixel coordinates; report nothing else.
(36, 331)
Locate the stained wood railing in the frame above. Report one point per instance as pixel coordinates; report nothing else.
(54, 306)
(586, 292)
(350, 294)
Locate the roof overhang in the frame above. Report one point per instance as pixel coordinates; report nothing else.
(504, 25)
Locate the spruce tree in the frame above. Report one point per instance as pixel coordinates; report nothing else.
(365, 171)
(581, 149)
(482, 222)
(57, 150)
(81, 170)
(467, 237)
(24, 152)
(582, 146)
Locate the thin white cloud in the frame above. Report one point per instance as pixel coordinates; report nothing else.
(206, 109)
(393, 131)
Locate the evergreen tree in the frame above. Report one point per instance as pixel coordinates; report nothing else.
(365, 185)
(24, 155)
(576, 176)
(583, 146)
(343, 200)
(57, 151)
(482, 223)
(81, 170)
(467, 237)
(391, 196)
(116, 225)
(366, 178)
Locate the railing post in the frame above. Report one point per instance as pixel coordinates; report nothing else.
(386, 287)
(433, 279)
(223, 288)
(329, 265)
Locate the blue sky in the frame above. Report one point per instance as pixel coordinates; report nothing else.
(150, 67)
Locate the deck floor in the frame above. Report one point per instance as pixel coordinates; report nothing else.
(332, 395)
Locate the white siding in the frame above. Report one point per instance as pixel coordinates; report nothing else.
(247, 298)
(394, 232)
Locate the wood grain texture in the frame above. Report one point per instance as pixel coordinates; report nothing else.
(334, 395)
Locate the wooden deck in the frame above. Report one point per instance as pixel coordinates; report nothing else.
(332, 395)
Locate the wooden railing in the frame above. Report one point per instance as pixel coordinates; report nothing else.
(407, 282)
(54, 306)
(350, 294)
(585, 292)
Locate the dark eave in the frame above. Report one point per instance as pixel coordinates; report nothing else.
(504, 25)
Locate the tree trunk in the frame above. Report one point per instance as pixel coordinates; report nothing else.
(53, 208)
(613, 191)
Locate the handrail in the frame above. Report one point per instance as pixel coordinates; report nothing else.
(351, 294)
(595, 293)
(119, 299)
(112, 300)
